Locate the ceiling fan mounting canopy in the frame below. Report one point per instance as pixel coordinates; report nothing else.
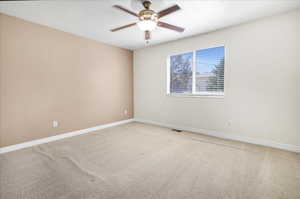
(147, 4)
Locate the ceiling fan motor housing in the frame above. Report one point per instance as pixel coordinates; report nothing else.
(148, 15)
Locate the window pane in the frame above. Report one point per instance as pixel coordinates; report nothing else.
(181, 74)
(210, 70)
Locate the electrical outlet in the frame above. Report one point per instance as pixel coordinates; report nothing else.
(125, 112)
(54, 124)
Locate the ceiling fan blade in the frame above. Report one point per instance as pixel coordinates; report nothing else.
(122, 27)
(169, 26)
(168, 11)
(126, 10)
(147, 35)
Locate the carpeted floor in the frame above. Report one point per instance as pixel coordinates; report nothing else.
(139, 161)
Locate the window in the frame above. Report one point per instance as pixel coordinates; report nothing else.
(200, 72)
(181, 73)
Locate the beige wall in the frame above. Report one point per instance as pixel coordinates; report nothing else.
(262, 79)
(51, 75)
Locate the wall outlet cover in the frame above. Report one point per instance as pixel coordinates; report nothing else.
(55, 124)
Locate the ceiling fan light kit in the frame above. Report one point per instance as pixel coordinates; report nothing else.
(147, 25)
(149, 19)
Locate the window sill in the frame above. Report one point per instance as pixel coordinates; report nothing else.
(219, 96)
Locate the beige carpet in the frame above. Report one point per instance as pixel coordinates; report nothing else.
(139, 161)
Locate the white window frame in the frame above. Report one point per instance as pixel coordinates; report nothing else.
(194, 93)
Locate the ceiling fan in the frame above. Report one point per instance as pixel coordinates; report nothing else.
(149, 19)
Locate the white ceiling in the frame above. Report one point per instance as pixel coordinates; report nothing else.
(94, 19)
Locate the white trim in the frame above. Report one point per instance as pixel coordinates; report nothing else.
(194, 73)
(220, 96)
(189, 50)
(61, 136)
(287, 147)
(168, 75)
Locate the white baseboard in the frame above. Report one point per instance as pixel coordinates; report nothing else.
(61, 136)
(287, 147)
(273, 144)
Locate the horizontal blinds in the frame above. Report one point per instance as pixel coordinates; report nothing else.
(210, 82)
(209, 70)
